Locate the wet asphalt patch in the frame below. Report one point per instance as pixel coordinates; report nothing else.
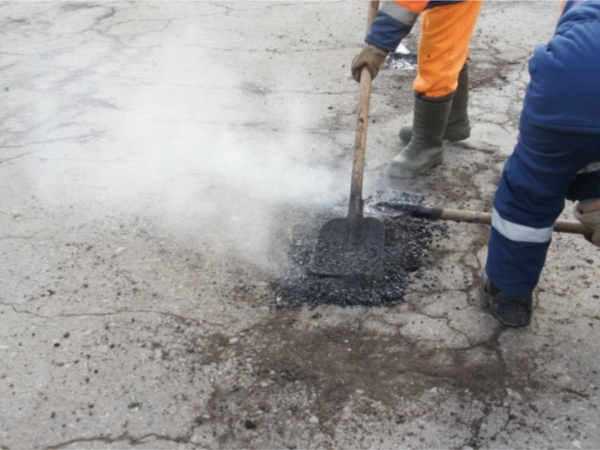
(406, 243)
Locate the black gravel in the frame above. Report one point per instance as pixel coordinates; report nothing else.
(406, 242)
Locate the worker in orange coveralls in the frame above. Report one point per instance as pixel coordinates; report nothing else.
(442, 83)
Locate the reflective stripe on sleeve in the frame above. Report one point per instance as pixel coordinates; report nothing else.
(520, 233)
(399, 13)
(593, 167)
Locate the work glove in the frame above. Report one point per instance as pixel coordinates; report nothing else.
(371, 56)
(592, 220)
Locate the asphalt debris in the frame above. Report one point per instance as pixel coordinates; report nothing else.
(401, 61)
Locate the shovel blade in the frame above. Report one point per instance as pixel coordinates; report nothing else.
(349, 247)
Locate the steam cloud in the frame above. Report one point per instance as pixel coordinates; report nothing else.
(205, 154)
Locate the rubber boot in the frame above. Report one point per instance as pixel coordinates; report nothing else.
(426, 148)
(458, 127)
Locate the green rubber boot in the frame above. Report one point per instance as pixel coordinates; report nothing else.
(426, 148)
(458, 127)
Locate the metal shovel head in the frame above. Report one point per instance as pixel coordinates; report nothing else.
(349, 247)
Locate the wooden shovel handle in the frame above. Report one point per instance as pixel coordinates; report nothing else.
(355, 206)
(564, 226)
(373, 10)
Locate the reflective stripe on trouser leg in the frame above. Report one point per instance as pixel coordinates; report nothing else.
(444, 46)
(520, 233)
(530, 197)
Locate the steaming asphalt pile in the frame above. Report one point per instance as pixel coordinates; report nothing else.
(406, 243)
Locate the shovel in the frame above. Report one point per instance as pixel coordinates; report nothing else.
(431, 212)
(353, 245)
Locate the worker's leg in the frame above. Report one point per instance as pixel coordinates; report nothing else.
(443, 51)
(458, 125)
(541, 172)
(444, 47)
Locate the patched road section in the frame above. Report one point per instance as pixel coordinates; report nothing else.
(164, 170)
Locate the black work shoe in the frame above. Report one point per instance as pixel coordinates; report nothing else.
(510, 311)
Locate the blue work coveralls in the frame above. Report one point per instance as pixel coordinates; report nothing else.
(558, 151)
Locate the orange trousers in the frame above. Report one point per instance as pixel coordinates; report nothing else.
(444, 46)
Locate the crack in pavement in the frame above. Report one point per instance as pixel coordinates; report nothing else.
(119, 312)
(125, 437)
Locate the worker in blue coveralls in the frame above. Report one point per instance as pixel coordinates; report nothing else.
(557, 156)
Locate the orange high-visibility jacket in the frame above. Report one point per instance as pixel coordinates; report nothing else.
(446, 29)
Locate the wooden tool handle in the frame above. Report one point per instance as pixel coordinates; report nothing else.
(355, 206)
(564, 226)
(373, 10)
(463, 216)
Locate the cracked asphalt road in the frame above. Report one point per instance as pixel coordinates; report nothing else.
(154, 157)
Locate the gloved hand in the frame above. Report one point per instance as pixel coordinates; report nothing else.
(591, 220)
(370, 55)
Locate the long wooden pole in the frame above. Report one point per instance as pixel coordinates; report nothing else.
(355, 206)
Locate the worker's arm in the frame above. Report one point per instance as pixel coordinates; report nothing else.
(393, 23)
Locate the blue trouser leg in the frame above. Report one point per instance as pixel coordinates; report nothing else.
(538, 176)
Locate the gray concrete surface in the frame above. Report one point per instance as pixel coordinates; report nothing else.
(154, 156)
